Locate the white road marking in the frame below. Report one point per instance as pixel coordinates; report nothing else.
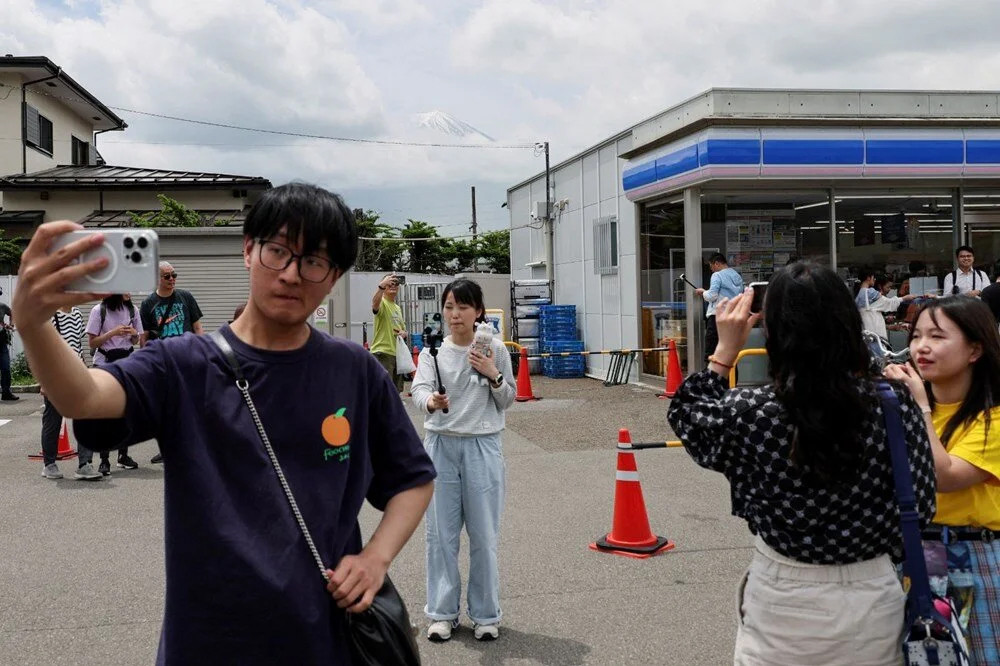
(4, 422)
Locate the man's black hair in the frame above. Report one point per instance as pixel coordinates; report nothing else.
(718, 257)
(308, 212)
(965, 248)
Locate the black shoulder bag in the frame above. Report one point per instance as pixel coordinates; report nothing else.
(380, 636)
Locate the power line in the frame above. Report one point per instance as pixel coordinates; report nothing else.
(303, 135)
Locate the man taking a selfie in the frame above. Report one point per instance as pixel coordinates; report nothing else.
(241, 584)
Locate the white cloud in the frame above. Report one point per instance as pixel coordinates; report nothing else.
(572, 72)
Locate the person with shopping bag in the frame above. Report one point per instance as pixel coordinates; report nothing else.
(390, 327)
(808, 463)
(956, 348)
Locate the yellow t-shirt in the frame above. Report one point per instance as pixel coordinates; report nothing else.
(388, 321)
(978, 505)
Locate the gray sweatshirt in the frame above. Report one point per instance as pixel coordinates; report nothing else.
(475, 407)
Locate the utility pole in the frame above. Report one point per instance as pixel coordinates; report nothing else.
(549, 268)
(474, 227)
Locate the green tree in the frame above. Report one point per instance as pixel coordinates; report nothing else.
(494, 248)
(173, 214)
(10, 254)
(426, 256)
(377, 255)
(464, 254)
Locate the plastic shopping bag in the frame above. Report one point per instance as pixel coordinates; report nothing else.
(404, 362)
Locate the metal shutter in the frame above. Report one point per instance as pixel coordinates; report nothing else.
(218, 283)
(32, 132)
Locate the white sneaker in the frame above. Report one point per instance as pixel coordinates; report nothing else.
(87, 473)
(440, 631)
(486, 632)
(52, 472)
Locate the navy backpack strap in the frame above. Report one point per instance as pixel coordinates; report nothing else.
(909, 520)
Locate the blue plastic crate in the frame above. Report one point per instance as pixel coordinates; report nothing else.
(562, 345)
(558, 309)
(557, 335)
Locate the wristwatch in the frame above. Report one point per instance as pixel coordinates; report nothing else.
(498, 382)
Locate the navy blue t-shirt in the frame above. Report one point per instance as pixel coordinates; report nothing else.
(242, 586)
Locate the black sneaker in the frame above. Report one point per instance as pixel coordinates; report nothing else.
(105, 467)
(9, 397)
(125, 462)
(157, 459)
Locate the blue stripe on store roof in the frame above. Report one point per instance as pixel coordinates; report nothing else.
(677, 162)
(914, 151)
(982, 151)
(729, 151)
(640, 175)
(814, 151)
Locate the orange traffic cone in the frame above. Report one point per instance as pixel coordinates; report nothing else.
(65, 449)
(673, 373)
(524, 393)
(630, 534)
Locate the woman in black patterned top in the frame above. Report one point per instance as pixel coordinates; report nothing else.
(808, 462)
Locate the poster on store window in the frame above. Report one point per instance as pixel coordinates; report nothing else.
(864, 232)
(894, 231)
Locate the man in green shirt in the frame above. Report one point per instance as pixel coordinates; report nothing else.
(389, 324)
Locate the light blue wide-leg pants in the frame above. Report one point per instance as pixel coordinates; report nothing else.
(469, 490)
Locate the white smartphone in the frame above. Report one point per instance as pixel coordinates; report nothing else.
(133, 261)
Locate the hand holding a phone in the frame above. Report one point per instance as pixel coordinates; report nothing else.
(734, 320)
(43, 277)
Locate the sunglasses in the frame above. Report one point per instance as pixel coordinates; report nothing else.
(168, 276)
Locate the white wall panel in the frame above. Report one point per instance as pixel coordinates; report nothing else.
(568, 240)
(592, 286)
(609, 294)
(627, 227)
(630, 332)
(626, 274)
(609, 172)
(612, 334)
(567, 184)
(591, 190)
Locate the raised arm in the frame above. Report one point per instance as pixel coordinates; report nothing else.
(379, 291)
(73, 389)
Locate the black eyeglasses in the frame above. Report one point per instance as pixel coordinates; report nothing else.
(168, 276)
(278, 257)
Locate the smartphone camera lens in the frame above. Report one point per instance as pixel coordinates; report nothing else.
(136, 257)
(142, 242)
(128, 242)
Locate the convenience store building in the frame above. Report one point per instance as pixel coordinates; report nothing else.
(890, 180)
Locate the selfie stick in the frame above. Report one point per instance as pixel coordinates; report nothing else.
(683, 277)
(437, 372)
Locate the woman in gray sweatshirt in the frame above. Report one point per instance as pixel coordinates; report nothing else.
(465, 447)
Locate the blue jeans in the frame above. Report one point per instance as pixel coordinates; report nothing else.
(469, 489)
(4, 368)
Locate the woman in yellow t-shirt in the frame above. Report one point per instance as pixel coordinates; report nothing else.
(956, 347)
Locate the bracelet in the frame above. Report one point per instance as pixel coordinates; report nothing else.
(925, 410)
(727, 366)
(381, 288)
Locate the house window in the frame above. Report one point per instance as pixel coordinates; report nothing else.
(38, 129)
(606, 245)
(81, 152)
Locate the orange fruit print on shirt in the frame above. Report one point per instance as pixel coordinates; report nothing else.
(336, 429)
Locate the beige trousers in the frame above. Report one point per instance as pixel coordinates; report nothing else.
(797, 614)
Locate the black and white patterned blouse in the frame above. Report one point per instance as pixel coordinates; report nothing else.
(745, 434)
(71, 327)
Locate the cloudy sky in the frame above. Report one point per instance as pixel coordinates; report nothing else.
(571, 72)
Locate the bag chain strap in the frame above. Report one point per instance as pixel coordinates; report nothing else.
(244, 386)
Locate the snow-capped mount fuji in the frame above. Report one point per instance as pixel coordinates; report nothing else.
(445, 123)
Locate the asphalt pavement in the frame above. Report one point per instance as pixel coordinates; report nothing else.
(82, 579)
